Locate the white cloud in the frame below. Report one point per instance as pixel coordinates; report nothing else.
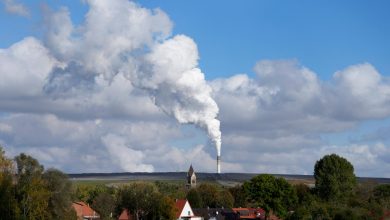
(361, 92)
(14, 7)
(274, 122)
(19, 68)
(92, 97)
(128, 158)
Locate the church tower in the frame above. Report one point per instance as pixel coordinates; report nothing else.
(191, 178)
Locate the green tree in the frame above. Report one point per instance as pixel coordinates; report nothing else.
(144, 201)
(271, 193)
(208, 194)
(304, 194)
(334, 178)
(60, 188)
(8, 205)
(173, 190)
(88, 192)
(225, 199)
(239, 196)
(163, 207)
(32, 193)
(194, 199)
(104, 204)
(381, 197)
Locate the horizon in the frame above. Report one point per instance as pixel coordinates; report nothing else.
(154, 86)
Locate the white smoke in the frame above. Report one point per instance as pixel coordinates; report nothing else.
(120, 37)
(178, 87)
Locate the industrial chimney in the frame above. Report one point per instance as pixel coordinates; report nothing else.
(218, 164)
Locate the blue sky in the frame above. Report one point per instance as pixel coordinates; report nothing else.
(270, 67)
(325, 36)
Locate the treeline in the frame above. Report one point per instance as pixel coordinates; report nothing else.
(27, 191)
(336, 195)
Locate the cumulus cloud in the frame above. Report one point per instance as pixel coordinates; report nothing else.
(14, 7)
(19, 69)
(135, 42)
(128, 158)
(96, 97)
(284, 111)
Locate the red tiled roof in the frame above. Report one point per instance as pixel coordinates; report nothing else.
(180, 203)
(83, 210)
(125, 215)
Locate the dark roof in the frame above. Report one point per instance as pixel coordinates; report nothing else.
(217, 213)
(250, 213)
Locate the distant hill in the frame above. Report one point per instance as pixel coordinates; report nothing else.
(231, 177)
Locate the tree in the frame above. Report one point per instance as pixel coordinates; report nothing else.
(208, 194)
(225, 199)
(104, 204)
(381, 195)
(271, 193)
(60, 188)
(239, 196)
(334, 178)
(144, 201)
(88, 193)
(31, 191)
(8, 205)
(173, 190)
(194, 199)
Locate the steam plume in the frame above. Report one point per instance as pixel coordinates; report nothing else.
(120, 37)
(178, 87)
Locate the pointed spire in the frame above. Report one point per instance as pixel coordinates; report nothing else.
(190, 171)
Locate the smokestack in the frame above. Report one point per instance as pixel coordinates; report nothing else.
(218, 164)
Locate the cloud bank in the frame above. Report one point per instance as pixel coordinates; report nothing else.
(101, 97)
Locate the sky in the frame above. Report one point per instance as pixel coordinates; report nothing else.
(150, 86)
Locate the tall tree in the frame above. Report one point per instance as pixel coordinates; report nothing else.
(334, 178)
(225, 199)
(239, 196)
(60, 189)
(271, 193)
(209, 194)
(104, 204)
(194, 199)
(8, 205)
(32, 193)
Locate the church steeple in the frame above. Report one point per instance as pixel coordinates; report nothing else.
(191, 178)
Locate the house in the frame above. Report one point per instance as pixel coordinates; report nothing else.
(191, 178)
(84, 212)
(232, 214)
(184, 210)
(215, 213)
(249, 213)
(125, 215)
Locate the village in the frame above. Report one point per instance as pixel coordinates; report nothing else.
(183, 209)
(29, 191)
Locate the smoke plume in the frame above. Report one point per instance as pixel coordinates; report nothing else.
(178, 87)
(120, 37)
